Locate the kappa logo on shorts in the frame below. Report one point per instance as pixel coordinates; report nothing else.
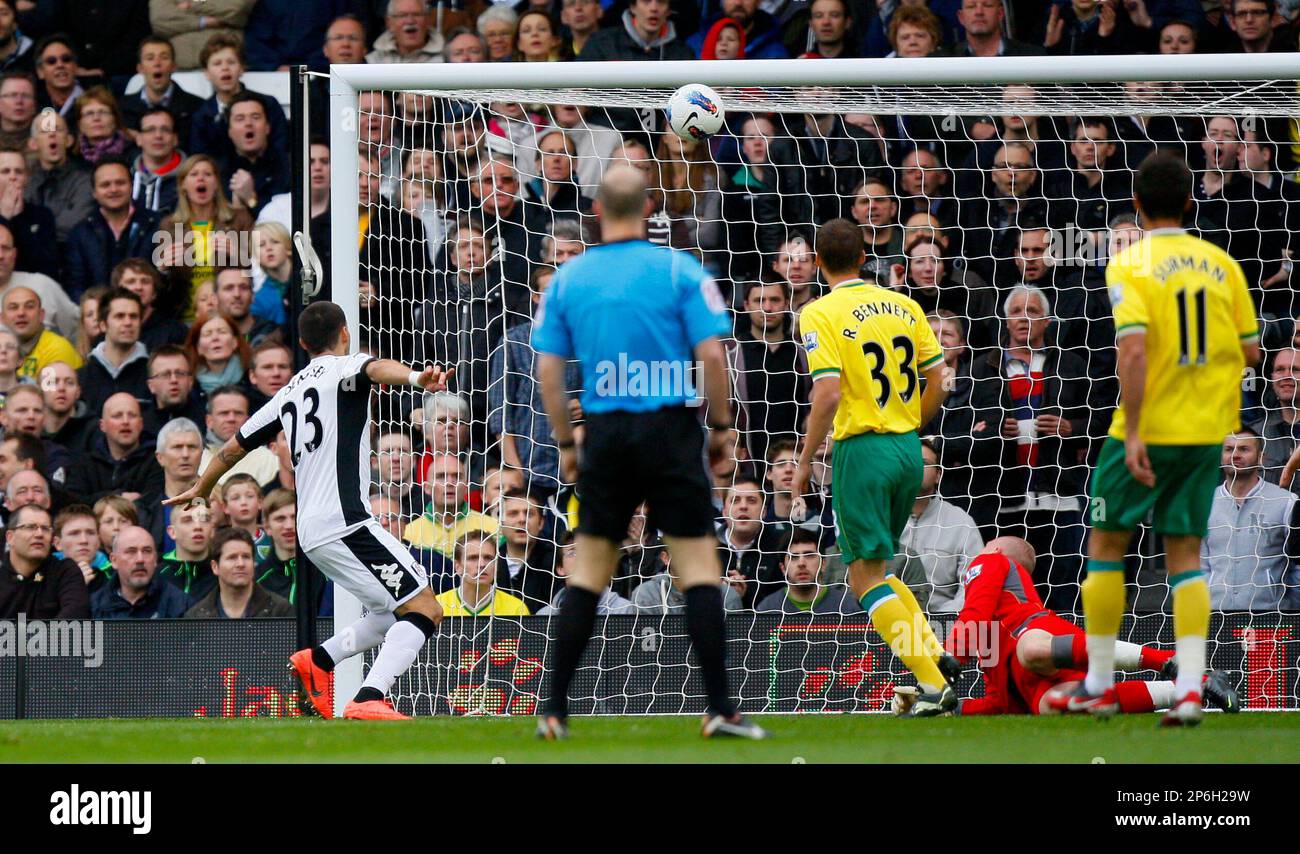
(391, 575)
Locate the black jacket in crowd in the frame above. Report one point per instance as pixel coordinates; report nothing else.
(195, 409)
(56, 592)
(99, 474)
(261, 604)
(162, 601)
(99, 381)
(181, 104)
(93, 250)
(536, 581)
(36, 237)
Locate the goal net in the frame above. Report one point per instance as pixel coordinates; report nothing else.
(990, 191)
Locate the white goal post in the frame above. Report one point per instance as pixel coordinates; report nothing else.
(1238, 85)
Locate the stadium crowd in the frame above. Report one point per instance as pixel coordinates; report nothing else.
(145, 267)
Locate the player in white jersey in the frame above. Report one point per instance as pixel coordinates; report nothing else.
(324, 412)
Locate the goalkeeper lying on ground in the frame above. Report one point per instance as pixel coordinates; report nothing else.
(1024, 650)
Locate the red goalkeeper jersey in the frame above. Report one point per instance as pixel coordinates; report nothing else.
(998, 590)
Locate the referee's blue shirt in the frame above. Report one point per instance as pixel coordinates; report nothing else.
(632, 314)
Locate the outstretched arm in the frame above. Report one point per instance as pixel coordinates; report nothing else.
(229, 455)
(390, 372)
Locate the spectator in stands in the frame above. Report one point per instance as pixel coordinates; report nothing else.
(252, 170)
(204, 231)
(118, 462)
(115, 231)
(745, 554)
(34, 232)
(593, 139)
(751, 204)
(1033, 400)
(527, 564)
(563, 243)
(388, 513)
(1178, 37)
(234, 286)
(443, 419)
(409, 38)
(514, 416)
(477, 594)
(826, 158)
(56, 66)
(156, 63)
(33, 582)
(179, 449)
(17, 108)
(58, 181)
(191, 27)
(68, 422)
(120, 363)
(140, 593)
(174, 392)
(393, 466)
(25, 487)
(983, 22)
(692, 200)
(660, 595)
(1012, 199)
(447, 517)
(644, 32)
(76, 538)
(1093, 189)
(15, 48)
(497, 25)
(153, 172)
(830, 27)
(762, 33)
(876, 210)
(218, 352)
(923, 182)
(780, 511)
(555, 190)
(100, 128)
(112, 514)
(284, 33)
(275, 257)
(537, 39)
(1253, 542)
(9, 362)
(913, 32)
(18, 452)
(22, 312)
(277, 570)
(88, 329)
(237, 595)
(465, 45)
(271, 366)
(227, 411)
(160, 325)
(222, 58)
(187, 565)
(609, 602)
(938, 541)
(926, 278)
(1277, 428)
(240, 505)
(1088, 27)
(804, 592)
(770, 370)
(795, 263)
(581, 19)
(62, 312)
(24, 415)
(1252, 22)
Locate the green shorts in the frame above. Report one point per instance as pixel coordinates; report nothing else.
(1186, 477)
(876, 478)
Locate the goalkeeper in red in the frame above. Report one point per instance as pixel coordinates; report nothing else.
(1185, 328)
(1024, 649)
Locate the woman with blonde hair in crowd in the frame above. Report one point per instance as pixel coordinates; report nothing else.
(690, 185)
(205, 231)
(219, 355)
(88, 329)
(275, 256)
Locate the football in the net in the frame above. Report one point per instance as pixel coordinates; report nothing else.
(695, 112)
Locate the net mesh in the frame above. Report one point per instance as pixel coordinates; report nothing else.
(966, 195)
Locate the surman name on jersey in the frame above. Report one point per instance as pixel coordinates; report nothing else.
(1180, 263)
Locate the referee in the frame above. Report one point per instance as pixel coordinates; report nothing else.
(636, 317)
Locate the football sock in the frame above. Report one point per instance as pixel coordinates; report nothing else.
(402, 643)
(573, 627)
(932, 646)
(1103, 608)
(1138, 696)
(1191, 624)
(706, 625)
(895, 625)
(363, 635)
(1070, 652)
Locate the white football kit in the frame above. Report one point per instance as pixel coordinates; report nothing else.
(324, 412)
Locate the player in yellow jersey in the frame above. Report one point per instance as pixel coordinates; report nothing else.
(877, 374)
(1185, 327)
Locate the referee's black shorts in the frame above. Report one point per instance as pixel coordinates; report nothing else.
(657, 457)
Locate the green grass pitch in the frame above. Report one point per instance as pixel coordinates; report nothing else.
(794, 738)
